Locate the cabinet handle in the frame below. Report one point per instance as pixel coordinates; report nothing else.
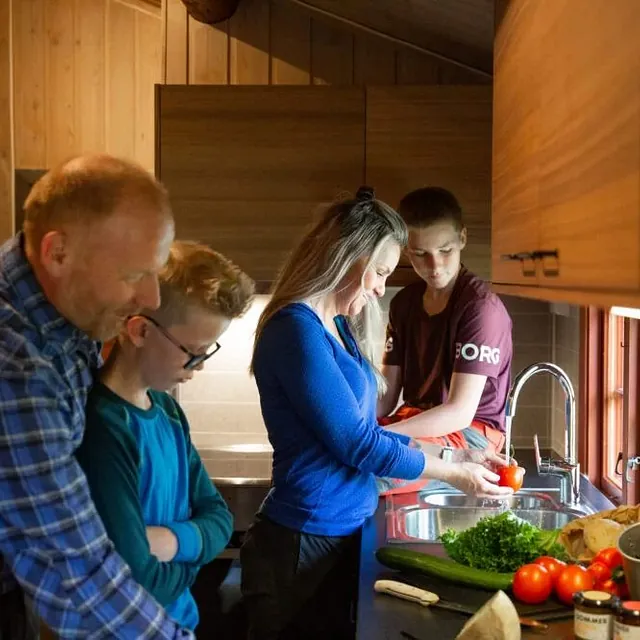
(536, 256)
(523, 257)
(549, 271)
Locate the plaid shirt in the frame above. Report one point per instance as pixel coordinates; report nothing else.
(51, 536)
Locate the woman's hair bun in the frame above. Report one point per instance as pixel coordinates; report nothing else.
(365, 194)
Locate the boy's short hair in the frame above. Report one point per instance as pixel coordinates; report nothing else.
(430, 205)
(197, 275)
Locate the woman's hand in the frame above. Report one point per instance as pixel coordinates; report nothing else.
(475, 479)
(486, 457)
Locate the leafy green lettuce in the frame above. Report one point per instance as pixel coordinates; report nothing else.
(501, 543)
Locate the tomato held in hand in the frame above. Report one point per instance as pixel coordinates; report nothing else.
(572, 578)
(609, 556)
(599, 570)
(511, 476)
(532, 584)
(552, 565)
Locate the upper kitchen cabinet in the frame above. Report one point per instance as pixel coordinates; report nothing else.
(248, 166)
(566, 150)
(434, 136)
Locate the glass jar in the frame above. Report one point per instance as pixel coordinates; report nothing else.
(626, 625)
(593, 615)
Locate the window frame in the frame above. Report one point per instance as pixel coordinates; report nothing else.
(594, 385)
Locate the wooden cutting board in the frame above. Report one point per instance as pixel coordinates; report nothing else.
(470, 599)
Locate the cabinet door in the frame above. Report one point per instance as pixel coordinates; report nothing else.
(515, 222)
(589, 172)
(247, 167)
(434, 136)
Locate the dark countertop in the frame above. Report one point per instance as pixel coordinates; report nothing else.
(382, 617)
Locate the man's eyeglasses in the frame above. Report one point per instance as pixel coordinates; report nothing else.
(195, 359)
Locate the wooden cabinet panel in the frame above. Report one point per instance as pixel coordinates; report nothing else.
(590, 142)
(434, 136)
(247, 166)
(515, 224)
(566, 171)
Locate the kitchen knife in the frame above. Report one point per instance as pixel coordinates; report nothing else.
(430, 599)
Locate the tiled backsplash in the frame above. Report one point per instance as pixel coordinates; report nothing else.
(566, 354)
(223, 407)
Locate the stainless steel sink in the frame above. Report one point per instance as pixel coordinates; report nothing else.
(427, 524)
(524, 499)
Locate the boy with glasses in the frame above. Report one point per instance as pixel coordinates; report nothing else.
(149, 485)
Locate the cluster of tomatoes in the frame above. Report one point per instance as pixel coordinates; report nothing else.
(534, 583)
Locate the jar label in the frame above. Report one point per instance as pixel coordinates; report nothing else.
(592, 626)
(623, 631)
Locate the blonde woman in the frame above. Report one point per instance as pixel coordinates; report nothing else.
(318, 389)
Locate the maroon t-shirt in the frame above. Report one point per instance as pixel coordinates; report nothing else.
(471, 335)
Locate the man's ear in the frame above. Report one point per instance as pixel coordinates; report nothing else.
(55, 253)
(136, 330)
(463, 238)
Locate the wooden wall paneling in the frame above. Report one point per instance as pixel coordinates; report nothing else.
(61, 112)
(450, 73)
(414, 67)
(590, 142)
(30, 104)
(458, 29)
(247, 189)
(208, 52)
(290, 44)
(148, 62)
(420, 136)
(331, 53)
(249, 43)
(89, 75)
(121, 80)
(6, 123)
(374, 60)
(176, 45)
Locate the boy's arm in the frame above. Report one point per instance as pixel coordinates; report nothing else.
(109, 457)
(455, 414)
(209, 529)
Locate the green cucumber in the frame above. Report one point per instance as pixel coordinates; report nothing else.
(404, 559)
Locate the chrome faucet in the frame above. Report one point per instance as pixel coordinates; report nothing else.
(567, 468)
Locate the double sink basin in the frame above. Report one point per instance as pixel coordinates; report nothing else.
(423, 517)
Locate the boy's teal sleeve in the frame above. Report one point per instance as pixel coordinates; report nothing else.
(109, 458)
(209, 512)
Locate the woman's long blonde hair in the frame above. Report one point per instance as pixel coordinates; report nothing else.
(350, 230)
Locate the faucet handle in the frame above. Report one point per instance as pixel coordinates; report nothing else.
(542, 464)
(536, 448)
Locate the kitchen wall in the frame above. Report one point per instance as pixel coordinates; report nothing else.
(222, 404)
(84, 74)
(278, 42)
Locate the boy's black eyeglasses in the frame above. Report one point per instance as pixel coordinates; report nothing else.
(195, 359)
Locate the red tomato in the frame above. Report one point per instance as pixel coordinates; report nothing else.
(511, 476)
(552, 565)
(611, 587)
(571, 579)
(599, 570)
(609, 556)
(532, 584)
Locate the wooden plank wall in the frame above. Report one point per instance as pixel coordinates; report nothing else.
(6, 128)
(84, 72)
(277, 42)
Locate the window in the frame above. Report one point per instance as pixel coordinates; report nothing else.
(609, 403)
(613, 391)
